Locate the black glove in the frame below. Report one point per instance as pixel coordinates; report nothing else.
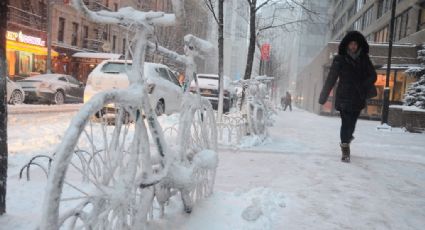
(322, 99)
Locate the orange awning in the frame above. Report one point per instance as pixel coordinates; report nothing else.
(37, 50)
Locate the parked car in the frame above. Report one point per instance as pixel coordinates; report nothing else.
(52, 88)
(15, 93)
(165, 90)
(208, 86)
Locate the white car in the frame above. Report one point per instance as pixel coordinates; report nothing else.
(208, 87)
(15, 93)
(166, 95)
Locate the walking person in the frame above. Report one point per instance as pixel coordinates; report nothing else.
(357, 76)
(288, 101)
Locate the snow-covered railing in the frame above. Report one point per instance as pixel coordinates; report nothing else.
(232, 128)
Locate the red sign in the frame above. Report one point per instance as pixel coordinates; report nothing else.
(265, 52)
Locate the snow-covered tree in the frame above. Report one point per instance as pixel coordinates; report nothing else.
(415, 95)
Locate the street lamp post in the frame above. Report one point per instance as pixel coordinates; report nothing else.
(49, 37)
(386, 103)
(3, 106)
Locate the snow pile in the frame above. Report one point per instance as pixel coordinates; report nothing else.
(206, 159)
(253, 140)
(227, 210)
(416, 94)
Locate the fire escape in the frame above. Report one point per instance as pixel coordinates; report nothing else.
(99, 42)
(23, 15)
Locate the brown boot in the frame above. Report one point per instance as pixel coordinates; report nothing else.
(345, 149)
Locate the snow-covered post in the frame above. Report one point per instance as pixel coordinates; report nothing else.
(3, 107)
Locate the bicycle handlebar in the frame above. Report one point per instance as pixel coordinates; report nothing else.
(125, 16)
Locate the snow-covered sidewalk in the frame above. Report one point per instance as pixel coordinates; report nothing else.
(383, 187)
(294, 181)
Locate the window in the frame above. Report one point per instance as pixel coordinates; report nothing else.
(62, 79)
(115, 6)
(115, 67)
(381, 36)
(352, 11)
(358, 24)
(173, 78)
(367, 17)
(421, 18)
(400, 26)
(163, 73)
(72, 80)
(61, 29)
(359, 4)
(123, 45)
(85, 36)
(383, 7)
(74, 39)
(114, 41)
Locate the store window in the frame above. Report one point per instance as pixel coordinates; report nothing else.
(61, 29)
(74, 39)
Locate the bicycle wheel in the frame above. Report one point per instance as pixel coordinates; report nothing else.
(198, 147)
(95, 178)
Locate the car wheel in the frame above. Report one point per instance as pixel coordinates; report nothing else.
(17, 97)
(59, 98)
(160, 108)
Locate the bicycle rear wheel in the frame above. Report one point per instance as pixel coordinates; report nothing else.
(95, 178)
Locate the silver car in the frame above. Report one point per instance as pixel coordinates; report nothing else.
(15, 93)
(52, 88)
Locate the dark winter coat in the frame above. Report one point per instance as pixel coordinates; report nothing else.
(356, 76)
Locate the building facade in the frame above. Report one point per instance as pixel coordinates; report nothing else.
(26, 38)
(372, 18)
(70, 32)
(235, 38)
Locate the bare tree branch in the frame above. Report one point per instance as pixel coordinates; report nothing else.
(210, 5)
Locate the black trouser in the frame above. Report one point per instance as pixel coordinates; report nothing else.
(348, 125)
(286, 106)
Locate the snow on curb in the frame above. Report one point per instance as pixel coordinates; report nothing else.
(29, 109)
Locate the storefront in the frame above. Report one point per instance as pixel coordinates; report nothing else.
(399, 83)
(82, 63)
(26, 55)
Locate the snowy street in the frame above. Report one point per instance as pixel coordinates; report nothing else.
(296, 179)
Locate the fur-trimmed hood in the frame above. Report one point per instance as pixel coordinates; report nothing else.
(353, 36)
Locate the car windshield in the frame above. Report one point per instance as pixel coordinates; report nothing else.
(114, 67)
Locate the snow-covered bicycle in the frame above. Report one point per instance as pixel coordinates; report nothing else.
(122, 169)
(257, 106)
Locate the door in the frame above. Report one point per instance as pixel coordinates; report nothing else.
(177, 89)
(169, 91)
(76, 89)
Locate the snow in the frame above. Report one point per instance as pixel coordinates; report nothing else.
(125, 16)
(408, 108)
(30, 108)
(96, 55)
(294, 180)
